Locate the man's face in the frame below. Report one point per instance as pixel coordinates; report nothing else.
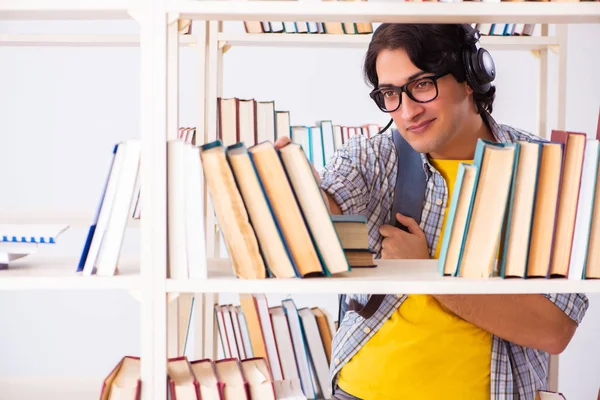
(427, 127)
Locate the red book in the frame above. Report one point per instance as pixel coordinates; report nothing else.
(231, 374)
(211, 386)
(124, 380)
(182, 382)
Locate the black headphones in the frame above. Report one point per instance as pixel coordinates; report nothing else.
(480, 70)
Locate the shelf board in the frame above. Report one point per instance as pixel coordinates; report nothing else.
(81, 40)
(51, 388)
(390, 276)
(423, 12)
(362, 41)
(73, 219)
(66, 9)
(43, 272)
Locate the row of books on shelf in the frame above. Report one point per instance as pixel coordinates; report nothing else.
(534, 206)
(252, 121)
(295, 342)
(205, 379)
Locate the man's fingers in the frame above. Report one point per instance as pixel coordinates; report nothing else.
(411, 224)
(282, 142)
(387, 230)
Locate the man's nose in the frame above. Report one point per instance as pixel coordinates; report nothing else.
(409, 108)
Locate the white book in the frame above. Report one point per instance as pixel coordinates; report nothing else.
(306, 381)
(176, 209)
(281, 330)
(105, 211)
(108, 258)
(230, 332)
(583, 219)
(288, 389)
(267, 329)
(238, 333)
(194, 214)
(244, 330)
(316, 350)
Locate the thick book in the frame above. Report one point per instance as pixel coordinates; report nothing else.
(300, 348)
(544, 214)
(574, 149)
(286, 209)
(209, 383)
(234, 382)
(260, 382)
(181, 379)
(231, 213)
(123, 382)
(495, 162)
(519, 221)
(268, 232)
(314, 209)
(585, 207)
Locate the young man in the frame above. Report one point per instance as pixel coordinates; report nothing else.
(433, 346)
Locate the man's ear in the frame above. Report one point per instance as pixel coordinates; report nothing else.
(468, 89)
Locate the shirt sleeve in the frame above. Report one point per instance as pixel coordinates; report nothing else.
(573, 304)
(345, 177)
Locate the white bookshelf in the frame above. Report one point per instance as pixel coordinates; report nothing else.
(524, 12)
(362, 41)
(81, 40)
(160, 42)
(390, 276)
(45, 272)
(51, 388)
(68, 9)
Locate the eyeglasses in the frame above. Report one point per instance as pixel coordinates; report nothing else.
(421, 90)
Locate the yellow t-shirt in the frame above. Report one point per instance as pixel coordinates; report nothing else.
(423, 351)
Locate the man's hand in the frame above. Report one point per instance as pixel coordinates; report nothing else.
(400, 244)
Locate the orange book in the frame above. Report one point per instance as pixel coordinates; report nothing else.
(568, 196)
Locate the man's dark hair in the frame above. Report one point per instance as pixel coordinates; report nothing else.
(435, 48)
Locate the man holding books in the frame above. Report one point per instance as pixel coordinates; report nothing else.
(433, 346)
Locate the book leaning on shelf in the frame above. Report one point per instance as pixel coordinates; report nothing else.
(271, 212)
(103, 244)
(529, 209)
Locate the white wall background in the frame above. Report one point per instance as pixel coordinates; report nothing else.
(62, 110)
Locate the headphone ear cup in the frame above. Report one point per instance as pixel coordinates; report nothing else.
(469, 72)
(480, 69)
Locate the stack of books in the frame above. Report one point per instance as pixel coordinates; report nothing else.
(533, 206)
(296, 342)
(223, 379)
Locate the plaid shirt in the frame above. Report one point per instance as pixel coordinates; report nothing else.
(361, 178)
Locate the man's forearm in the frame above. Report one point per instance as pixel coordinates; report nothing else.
(527, 320)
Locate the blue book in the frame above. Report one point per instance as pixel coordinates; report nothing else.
(92, 229)
(481, 161)
(455, 228)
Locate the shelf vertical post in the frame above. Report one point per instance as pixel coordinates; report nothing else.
(561, 114)
(153, 167)
(542, 83)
